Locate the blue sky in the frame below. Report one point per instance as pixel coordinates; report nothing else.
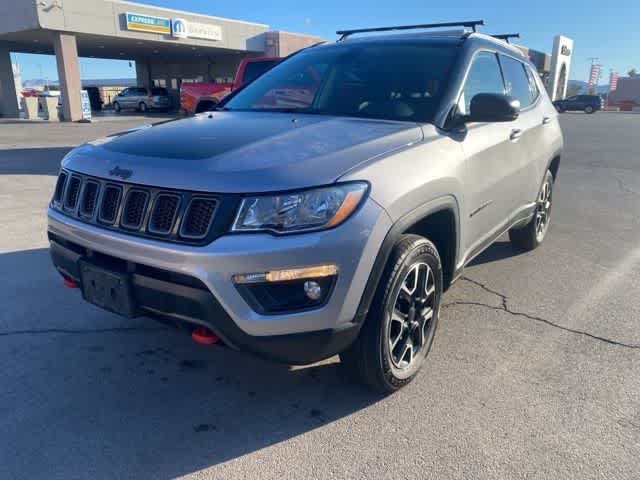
(608, 31)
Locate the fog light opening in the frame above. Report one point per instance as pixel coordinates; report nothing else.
(313, 290)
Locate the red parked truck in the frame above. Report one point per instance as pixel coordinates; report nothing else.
(196, 97)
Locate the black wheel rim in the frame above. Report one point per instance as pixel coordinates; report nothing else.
(543, 209)
(412, 316)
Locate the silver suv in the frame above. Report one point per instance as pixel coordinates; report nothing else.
(142, 99)
(325, 207)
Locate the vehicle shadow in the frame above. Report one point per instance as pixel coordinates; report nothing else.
(498, 251)
(32, 161)
(135, 399)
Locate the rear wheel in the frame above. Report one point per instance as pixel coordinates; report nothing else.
(399, 330)
(588, 109)
(143, 107)
(532, 234)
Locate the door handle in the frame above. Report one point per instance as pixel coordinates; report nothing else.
(516, 133)
(546, 120)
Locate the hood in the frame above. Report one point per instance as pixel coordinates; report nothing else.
(242, 152)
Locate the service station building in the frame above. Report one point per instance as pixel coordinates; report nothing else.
(168, 46)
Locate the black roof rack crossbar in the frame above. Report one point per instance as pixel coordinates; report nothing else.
(506, 36)
(470, 24)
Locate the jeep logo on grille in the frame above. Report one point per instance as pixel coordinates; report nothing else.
(123, 173)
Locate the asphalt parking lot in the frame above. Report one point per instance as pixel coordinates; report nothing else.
(535, 372)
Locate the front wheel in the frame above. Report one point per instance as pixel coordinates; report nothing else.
(399, 330)
(143, 107)
(116, 107)
(532, 234)
(560, 108)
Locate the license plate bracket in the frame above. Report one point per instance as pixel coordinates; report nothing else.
(107, 289)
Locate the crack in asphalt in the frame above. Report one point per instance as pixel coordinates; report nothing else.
(50, 331)
(504, 307)
(623, 187)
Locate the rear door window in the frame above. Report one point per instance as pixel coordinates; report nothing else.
(516, 80)
(534, 92)
(253, 70)
(484, 77)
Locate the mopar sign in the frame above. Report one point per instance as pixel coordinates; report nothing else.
(179, 28)
(146, 23)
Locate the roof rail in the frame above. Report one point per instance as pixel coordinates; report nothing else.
(506, 36)
(471, 24)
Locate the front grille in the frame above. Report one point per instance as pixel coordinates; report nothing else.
(89, 198)
(62, 180)
(110, 204)
(164, 212)
(72, 192)
(198, 217)
(134, 208)
(168, 215)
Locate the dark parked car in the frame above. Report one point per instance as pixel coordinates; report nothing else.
(583, 103)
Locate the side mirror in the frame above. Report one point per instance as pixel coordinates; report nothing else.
(493, 107)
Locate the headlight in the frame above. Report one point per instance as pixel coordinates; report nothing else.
(314, 209)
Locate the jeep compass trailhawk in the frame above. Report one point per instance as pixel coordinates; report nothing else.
(324, 207)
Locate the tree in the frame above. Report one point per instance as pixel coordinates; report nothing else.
(574, 89)
(633, 73)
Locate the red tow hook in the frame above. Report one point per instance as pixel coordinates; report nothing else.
(204, 336)
(69, 283)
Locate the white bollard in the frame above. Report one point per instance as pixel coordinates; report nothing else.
(50, 107)
(30, 107)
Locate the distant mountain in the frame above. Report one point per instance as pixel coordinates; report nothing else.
(112, 82)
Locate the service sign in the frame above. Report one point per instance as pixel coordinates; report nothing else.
(180, 28)
(146, 23)
(204, 31)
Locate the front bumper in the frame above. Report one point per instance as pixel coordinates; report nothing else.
(211, 299)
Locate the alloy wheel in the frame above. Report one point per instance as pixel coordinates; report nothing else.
(543, 209)
(411, 319)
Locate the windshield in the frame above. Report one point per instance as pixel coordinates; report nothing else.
(395, 81)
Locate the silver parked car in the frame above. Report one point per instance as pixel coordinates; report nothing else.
(142, 99)
(322, 209)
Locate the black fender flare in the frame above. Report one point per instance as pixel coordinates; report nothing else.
(400, 226)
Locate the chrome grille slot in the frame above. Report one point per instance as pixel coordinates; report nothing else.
(89, 198)
(62, 180)
(163, 215)
(72, 193)
(198, 218)
(110, 202)
(135, 206)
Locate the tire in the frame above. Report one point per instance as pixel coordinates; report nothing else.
(143, 107)
(589, 109)
(379, 357)
(533, 233)
(560, 108)
(116, 107)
